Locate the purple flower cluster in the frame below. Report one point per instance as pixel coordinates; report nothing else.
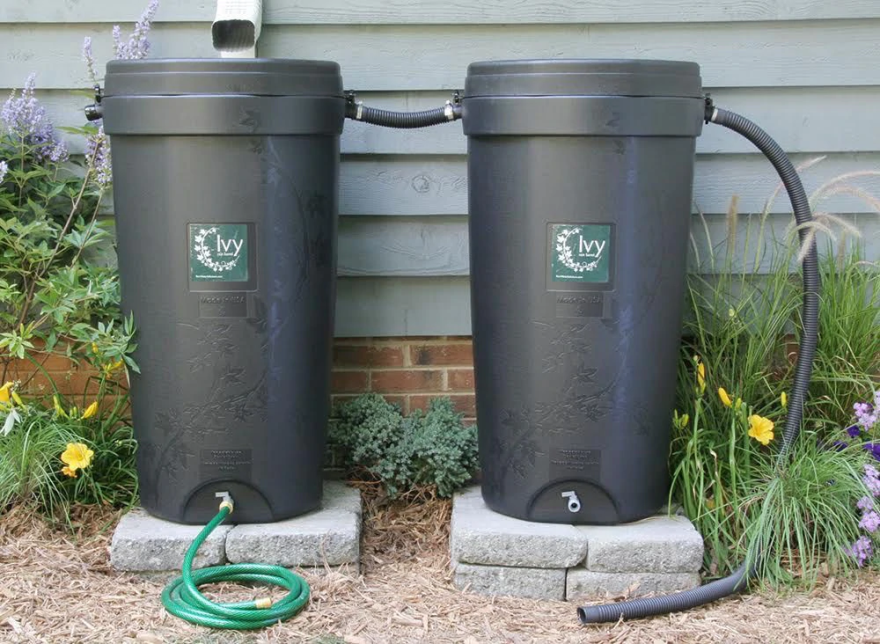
(871, 480)
(866, 418)
(98, 157)
(863, 549)
(24, 119)
(866, 413)
(137, 46)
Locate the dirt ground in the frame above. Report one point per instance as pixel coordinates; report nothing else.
(57, 587)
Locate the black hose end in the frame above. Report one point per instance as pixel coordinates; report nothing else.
(94, 112)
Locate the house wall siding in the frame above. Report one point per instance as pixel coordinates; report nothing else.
(805, 69)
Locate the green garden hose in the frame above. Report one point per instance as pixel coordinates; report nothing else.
(182, 597)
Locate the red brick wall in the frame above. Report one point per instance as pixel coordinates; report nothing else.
(407, 371)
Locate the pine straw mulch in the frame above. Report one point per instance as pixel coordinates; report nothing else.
(57, 587)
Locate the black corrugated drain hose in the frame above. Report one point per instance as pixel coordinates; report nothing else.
(720, 588)
(402, 120)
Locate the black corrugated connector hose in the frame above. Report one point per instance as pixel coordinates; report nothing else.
(402, 120)
(739, 579)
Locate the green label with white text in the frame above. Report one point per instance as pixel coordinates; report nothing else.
(580, 253)
(218, 252)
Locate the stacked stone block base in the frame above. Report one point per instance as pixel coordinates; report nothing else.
(326, 537)
(493, 554)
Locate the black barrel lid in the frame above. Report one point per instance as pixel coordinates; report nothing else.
(584, 77)
(220, 76)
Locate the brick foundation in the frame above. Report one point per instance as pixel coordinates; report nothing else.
(407, 371)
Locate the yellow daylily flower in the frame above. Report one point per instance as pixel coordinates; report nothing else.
(783, 398)
(91, 410)
(68, 472)
(111, 367)
(761, 429)
(17, 399)
(722, 394)
(5, 391)
(77, 456)
(58, 408)
(701, 376)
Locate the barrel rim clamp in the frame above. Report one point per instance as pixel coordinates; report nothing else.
(353, 105)
(710, 111)
(453, 106)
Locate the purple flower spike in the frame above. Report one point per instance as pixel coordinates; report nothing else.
(865, 503)
(24, 119)
(98, 157)
(137, 46)
(89, 58)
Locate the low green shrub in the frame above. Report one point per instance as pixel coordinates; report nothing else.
(433, 448)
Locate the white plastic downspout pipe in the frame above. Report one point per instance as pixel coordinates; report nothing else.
(236, 28)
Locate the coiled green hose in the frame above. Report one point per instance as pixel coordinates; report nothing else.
(182, 597)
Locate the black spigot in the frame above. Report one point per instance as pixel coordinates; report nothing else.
(95, 111)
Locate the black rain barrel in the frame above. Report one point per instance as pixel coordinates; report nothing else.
(580, 175)
(225, 191)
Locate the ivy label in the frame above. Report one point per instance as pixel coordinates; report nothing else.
(218, 252)
(580, 253)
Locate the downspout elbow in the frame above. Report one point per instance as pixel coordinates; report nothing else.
(236, 27)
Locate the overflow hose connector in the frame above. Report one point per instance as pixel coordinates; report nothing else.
(357, 111)
(638, 608)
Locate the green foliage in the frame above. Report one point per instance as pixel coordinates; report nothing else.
(433, 448)
(59, 295)
(57, 290)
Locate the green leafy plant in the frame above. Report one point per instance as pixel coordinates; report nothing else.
(433, 448)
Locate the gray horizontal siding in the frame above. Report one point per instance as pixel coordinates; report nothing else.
(375, 307)
(451, 11)
(805, 69)
(431, 57)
